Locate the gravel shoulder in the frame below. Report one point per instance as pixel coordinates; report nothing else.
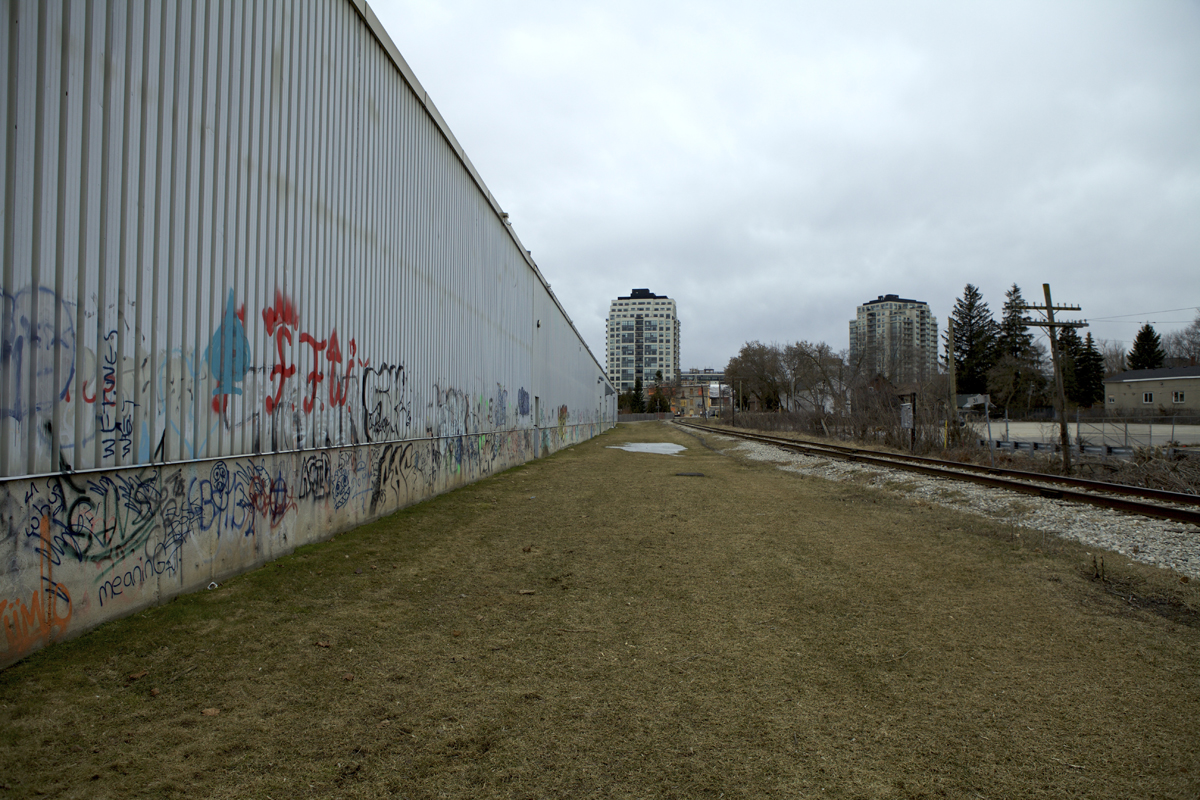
(1169, 545)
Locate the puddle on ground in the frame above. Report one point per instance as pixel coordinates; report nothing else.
(662, 448)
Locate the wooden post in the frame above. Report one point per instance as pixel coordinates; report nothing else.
(952, 409)
(1061, 395)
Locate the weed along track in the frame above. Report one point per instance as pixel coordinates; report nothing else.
(1132, 499)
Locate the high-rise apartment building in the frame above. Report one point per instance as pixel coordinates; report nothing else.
(643, 338)
(895, 338)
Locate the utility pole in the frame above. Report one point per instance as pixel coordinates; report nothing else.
(1061, 396)
(952, 408)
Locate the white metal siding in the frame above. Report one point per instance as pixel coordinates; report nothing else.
(238, 228)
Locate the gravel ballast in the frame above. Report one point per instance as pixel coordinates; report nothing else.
(1161, 543)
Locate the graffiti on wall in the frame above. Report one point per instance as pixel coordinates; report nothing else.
(228, 355)
(35, 326)
(384, 405)
(47, 613)
(79, 548)
(124, 538)
(314, 389)
(281, 321)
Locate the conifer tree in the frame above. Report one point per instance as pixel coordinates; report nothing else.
(1013, 337)
(1089, 374)
(1016, 381)
(633, 400)
(1147, 352)
(1070, 347)
(974, 341)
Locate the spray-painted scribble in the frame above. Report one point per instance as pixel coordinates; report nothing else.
(47, 613)
(280, 320)
(28, 344)
(125, 537)
(499, 407)
(183, 399)
(385, 413)
(228, 354)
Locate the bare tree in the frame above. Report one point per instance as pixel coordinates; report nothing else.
(1184, 344)
(757, 371)
(817, 378)
(1114, 356)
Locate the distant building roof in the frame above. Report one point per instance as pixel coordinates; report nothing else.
(1154, 374)
(892, 298)
(644, 294)
(971, 400)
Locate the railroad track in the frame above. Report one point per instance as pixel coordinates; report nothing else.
(1131, 499)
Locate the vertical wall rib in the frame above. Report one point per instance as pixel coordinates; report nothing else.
(235, 229)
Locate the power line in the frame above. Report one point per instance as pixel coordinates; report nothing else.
(1143, 321)
(1147, 313)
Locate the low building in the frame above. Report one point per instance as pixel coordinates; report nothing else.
(706, 375)
(1157, 391)
(700, 393)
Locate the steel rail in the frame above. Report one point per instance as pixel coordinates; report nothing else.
(1075, 489)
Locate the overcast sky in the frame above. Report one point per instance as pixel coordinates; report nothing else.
(770, 166)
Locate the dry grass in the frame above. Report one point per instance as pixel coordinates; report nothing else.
(596, 625)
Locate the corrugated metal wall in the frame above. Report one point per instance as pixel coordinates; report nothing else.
(235, 228)
(253, 293)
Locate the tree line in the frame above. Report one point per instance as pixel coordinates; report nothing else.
(1003, 359)
(636, 401)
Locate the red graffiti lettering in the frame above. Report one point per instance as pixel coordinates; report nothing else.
(281, 369)
(316, 376)
(283, 313)
(280, 320)
(339, 388)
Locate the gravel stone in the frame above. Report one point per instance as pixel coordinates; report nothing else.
(1161, 543)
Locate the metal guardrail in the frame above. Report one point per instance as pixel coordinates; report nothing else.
(1087, 449)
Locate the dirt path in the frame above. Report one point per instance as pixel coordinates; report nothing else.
(598, 625)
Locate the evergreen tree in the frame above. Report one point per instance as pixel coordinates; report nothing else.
(1013, 338)
(975, 334)
(1016, 381)
(1147, 352)
(659, 402)
(1070, 348)
(633, 400)
(1089, 374)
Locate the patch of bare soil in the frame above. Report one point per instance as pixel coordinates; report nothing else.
(604, 623)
